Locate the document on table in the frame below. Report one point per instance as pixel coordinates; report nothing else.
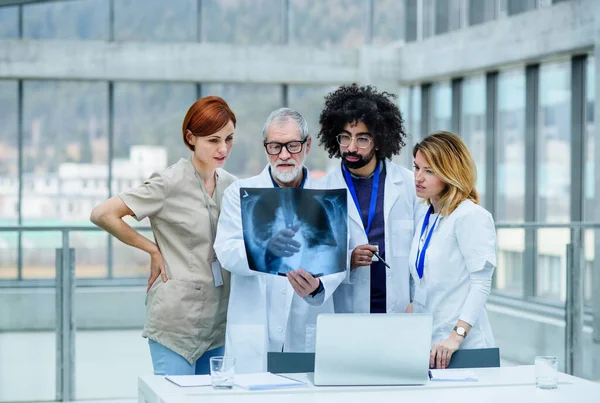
(452, 375)
(265, 380)
(189, 381)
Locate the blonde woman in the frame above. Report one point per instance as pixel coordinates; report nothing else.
(453, 254)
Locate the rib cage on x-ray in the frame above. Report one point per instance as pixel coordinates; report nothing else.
(320, 216)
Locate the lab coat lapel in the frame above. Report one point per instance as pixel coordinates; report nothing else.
(339, 182)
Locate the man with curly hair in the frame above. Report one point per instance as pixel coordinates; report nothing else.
(365, 129)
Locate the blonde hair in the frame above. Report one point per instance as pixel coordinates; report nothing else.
(449, 158)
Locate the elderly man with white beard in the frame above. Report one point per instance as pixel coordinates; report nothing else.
(268, 312)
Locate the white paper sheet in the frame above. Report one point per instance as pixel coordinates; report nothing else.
(265, 380)
(452, 375)
(188, 381)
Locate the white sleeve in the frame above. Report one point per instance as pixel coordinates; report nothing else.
(229, 242)
(476, 236)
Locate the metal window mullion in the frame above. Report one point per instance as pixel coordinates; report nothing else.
(491, 142)
(578, 134)
(65, 322)
(425, 109)
(575, 256)
(109, 179)
(531, 174)
(456, 104)
(20, 163)
(285, 95)
(596, 212)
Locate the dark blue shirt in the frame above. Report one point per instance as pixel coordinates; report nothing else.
(363, 187)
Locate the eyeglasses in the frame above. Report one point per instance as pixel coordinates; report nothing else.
(361, 141)
(293, 147)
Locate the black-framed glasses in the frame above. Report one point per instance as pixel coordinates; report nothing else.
(293, 147)
(361, 141)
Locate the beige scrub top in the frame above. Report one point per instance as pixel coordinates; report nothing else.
(187, 314)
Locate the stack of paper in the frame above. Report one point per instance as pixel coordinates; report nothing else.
(265, 380)
(188, 381)
(452, 375)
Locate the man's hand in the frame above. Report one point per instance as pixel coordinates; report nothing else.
(362, 255)
(442, 352)
(303, 282)
(157, 268)
(409, 308)
(282, 244)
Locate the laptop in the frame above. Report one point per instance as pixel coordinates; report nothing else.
(372, 349)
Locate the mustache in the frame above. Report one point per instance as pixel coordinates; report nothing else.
(351, 154)
(288, 162)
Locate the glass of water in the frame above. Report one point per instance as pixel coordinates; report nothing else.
(546, 372)
(222, 371)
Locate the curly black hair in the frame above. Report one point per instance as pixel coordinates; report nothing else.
(378, 111)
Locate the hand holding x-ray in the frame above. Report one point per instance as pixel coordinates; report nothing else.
(283, 244)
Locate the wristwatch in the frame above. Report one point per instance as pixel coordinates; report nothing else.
(461, 331)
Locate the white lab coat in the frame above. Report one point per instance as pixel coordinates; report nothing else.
(401, 210)
(457, 274)
(265, 313)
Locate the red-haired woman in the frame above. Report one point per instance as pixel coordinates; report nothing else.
(187, 292)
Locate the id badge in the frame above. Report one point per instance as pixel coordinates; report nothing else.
(216, 271)
(420, 295)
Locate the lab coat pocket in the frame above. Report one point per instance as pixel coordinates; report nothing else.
(311, 338)
(402, 236)
(177, 306)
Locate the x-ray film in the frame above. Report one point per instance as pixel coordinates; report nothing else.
(289, 228)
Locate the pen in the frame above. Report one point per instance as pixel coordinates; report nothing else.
(379, 257)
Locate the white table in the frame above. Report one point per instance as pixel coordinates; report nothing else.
(501, 385)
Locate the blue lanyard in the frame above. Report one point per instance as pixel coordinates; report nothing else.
(420, 262)
(374, 190)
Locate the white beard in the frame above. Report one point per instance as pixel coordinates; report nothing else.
(287, 176)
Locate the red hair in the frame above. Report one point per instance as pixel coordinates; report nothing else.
(206, 116)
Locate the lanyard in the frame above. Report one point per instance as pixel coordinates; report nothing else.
(374, 190)
(420, 262)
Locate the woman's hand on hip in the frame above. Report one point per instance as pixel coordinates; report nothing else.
(157, 268)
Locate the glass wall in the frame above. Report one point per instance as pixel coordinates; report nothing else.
(309, 101)
(554, 175)
(155, 20)
(147, 138)
(311, 22)
(472, 125)
(512, 7)
(411, 21)
(386, 15)
(9, 177)
(441, 107)
(480, 11)
(81, 19)
(242, 22)
(251, 104)
(9, 22)
(510, 193)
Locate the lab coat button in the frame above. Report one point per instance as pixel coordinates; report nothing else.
(365, 281)
(284, 291)
(280, 329)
